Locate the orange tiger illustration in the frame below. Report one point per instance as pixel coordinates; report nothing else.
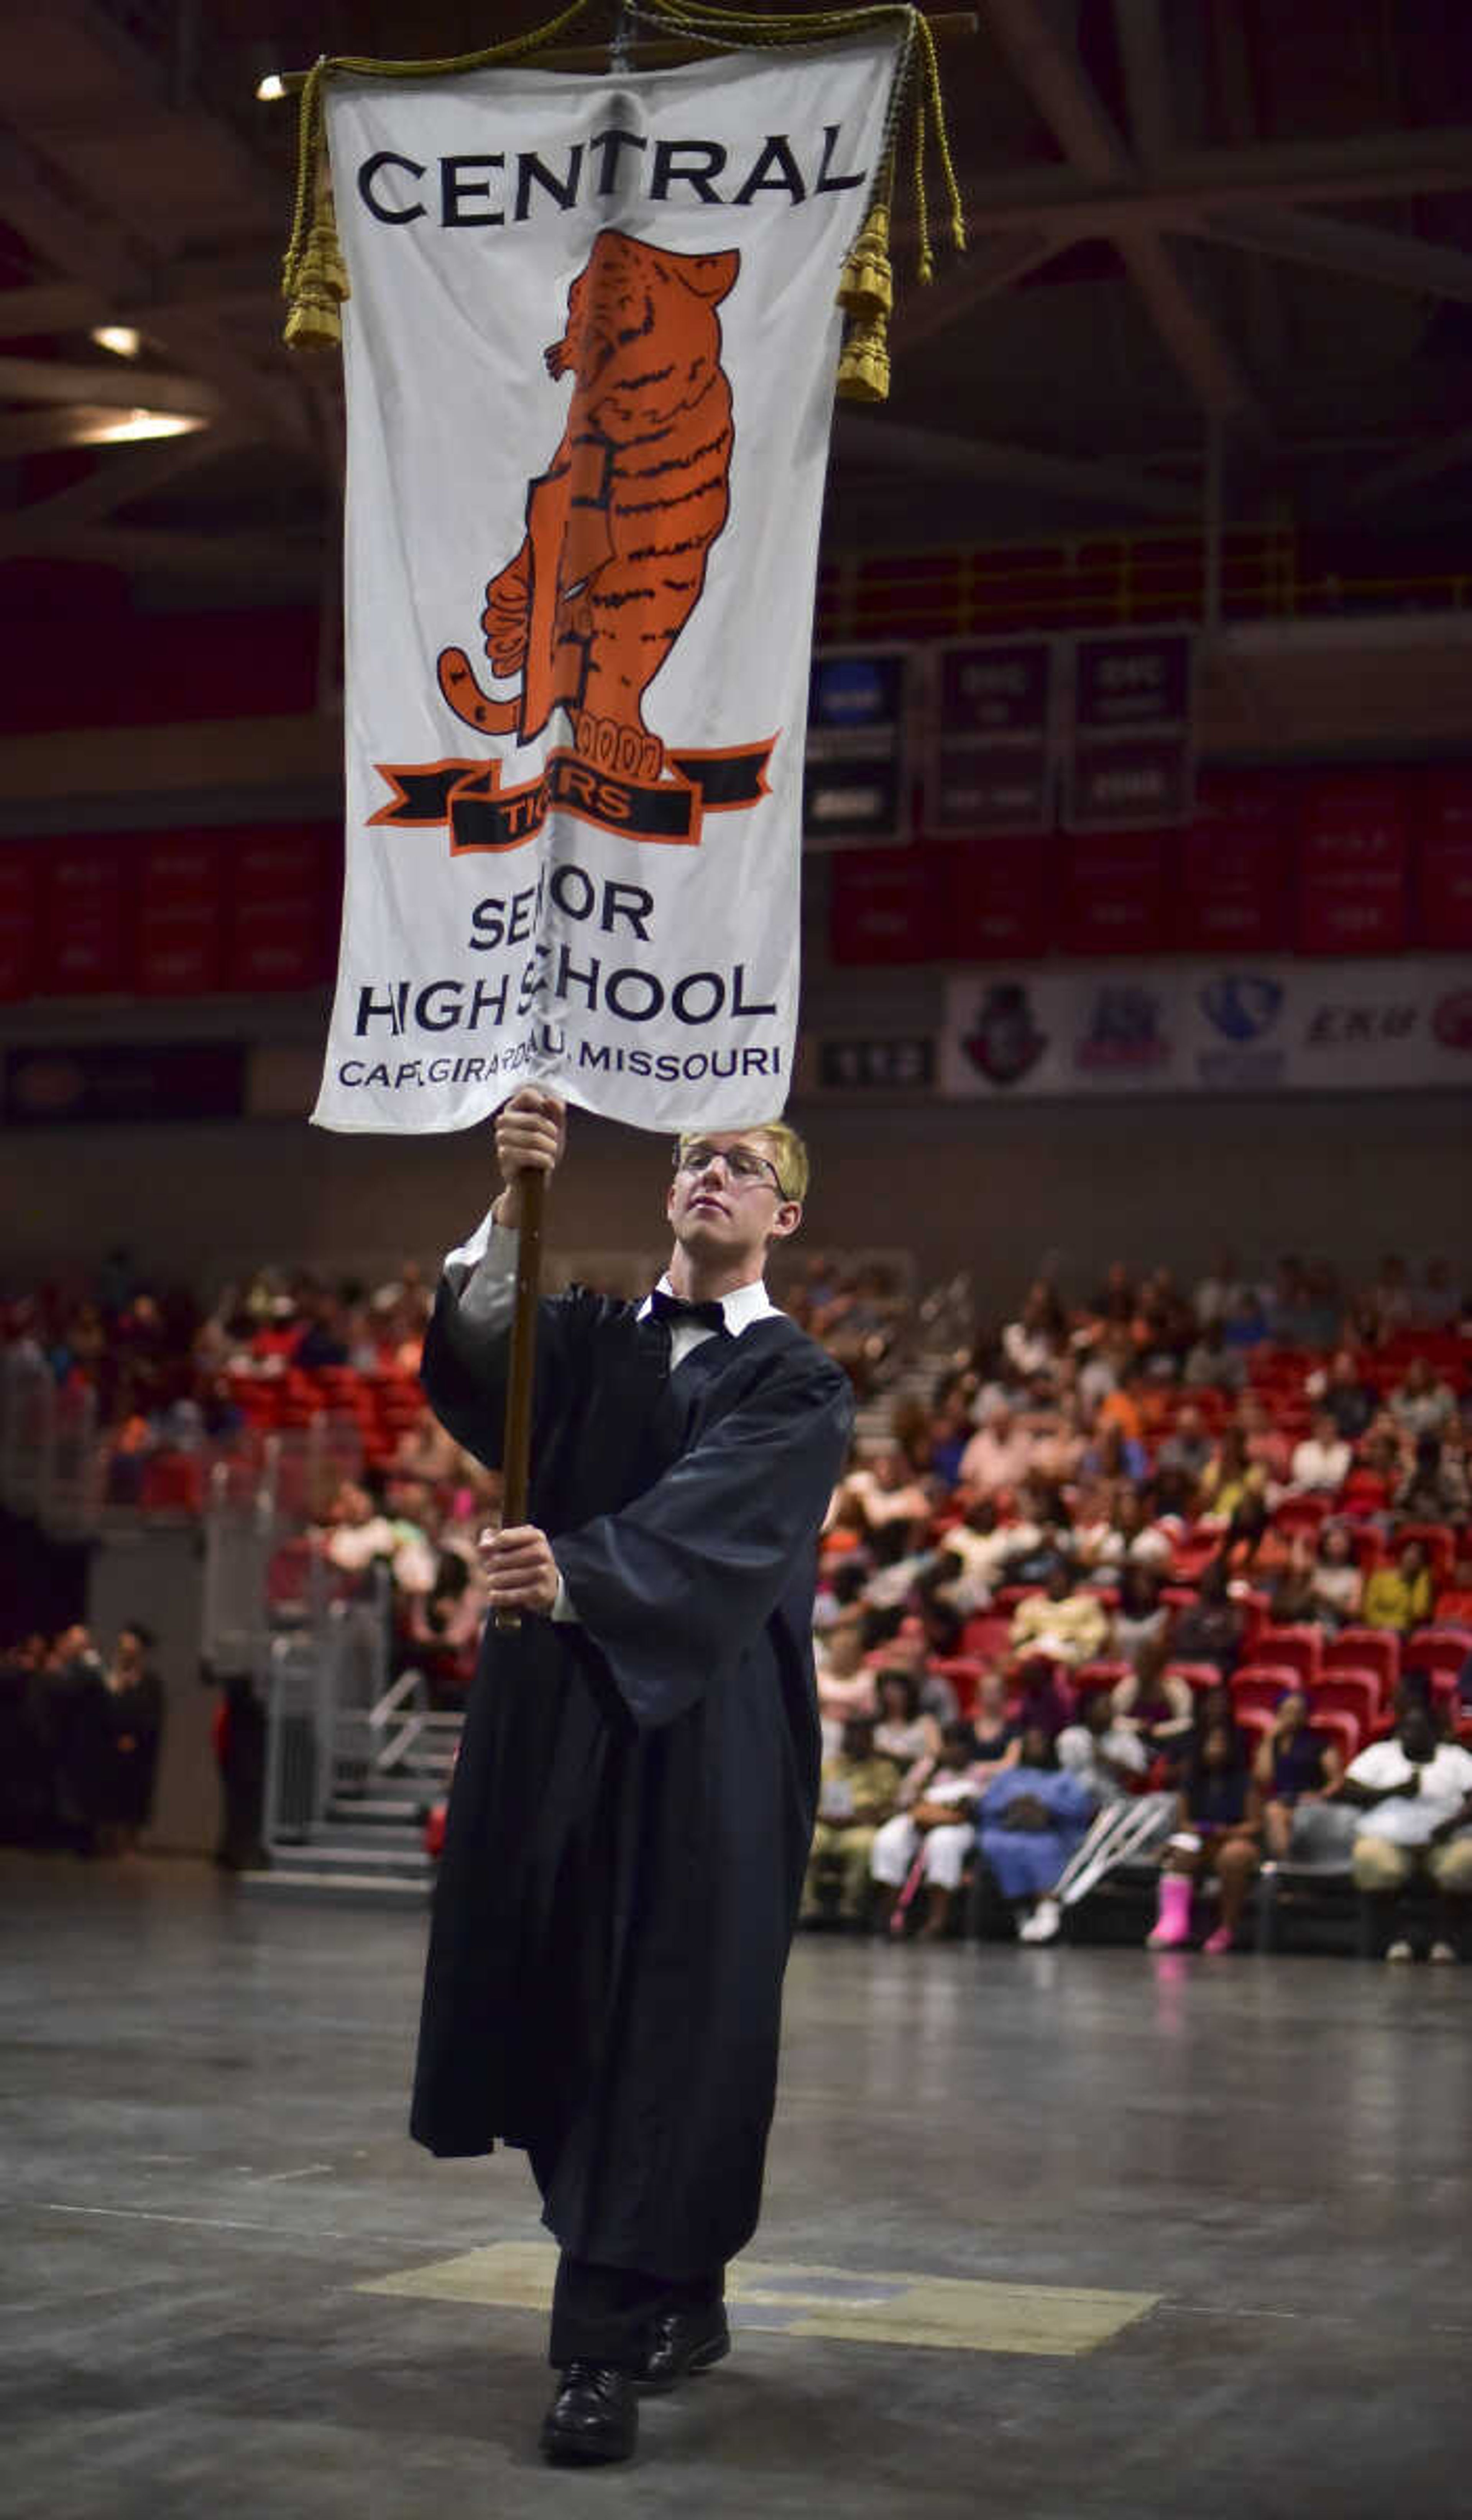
(620, 526)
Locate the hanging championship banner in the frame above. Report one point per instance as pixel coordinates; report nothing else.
(590, 350)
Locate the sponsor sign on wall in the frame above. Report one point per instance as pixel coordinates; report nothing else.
(1269, 1026)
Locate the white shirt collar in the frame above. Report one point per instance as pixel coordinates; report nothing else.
(739, 1309)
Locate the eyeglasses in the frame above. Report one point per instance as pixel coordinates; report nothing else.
(744, 1165)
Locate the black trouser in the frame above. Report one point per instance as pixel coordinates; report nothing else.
(602, 2313)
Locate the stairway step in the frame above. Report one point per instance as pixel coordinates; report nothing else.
(284, 1882)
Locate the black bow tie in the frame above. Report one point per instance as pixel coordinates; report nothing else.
(672, 1308)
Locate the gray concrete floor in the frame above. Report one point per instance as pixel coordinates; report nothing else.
(204, 2154)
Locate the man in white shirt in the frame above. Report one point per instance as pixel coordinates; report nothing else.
(1322, 1461)
(1414, 1796)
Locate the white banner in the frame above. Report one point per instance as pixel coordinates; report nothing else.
(1297, 1026)
(589, 357)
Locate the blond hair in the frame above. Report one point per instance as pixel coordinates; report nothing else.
(789, 1156)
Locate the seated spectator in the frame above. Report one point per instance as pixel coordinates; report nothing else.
(1105, 1754)
(1415, 1798)
(1140, 1617)
(1345, 1396)
(1453, 1605)
(1422, 1406)
(1230, 1478)
(1189, 1448)
(1390, 1298)
(1292, 1601)
(1156, 1704)
(1435, 1486)
(1399, 1597)
(1223, 1286)
(936, 1833)
(949, 1433)
(1129, 1538)
(855, 1796)
(1218, 1825)
(884, 1494)
(1062, 1623)
(977, 1549)
(1044, 1700)
(1436, 1305)
(1337, 1584)
(1031, 1343)
(1058, 1450)
(998, 1457)
(1244, 1324)
(1212, 1365)
(1211, 1628)
(902, 1734)
(845, 1681)
(1293, 1765)
(1029, 1822)
(1322, 1461)
(1268, 1450)
(998, 1738)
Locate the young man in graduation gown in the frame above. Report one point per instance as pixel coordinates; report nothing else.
(635, 1794)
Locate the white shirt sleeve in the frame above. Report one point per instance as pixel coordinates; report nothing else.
(1383, 1764)
(482, 1274)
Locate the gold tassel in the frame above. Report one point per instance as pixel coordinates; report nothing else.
(867, 287)
(318, 285)
(863, 368)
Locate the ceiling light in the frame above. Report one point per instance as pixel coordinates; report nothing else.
(271, 89)
(123, 428)
(123, 339)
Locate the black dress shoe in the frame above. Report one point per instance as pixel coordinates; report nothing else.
(684, 2341)
(594, 2418)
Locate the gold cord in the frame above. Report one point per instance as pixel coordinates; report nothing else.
(314, 278)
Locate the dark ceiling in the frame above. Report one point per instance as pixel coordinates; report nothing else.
(1195, 224)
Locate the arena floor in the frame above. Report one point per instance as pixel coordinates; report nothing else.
(1048, 2235)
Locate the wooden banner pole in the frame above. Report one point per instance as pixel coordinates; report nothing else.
(515, 1456)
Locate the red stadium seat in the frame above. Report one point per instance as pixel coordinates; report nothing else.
(1198, 1675)
(1103, 1673)
(964, 1675)
(1301, 1514)
(1302, 1646)
(1349, 1692)
(1261, 1686)
(1376, 1650)
(172, 1483)
(1363, 1492)
(1439, 1544)
(1440, 1650)
(1345, 1730)
(985, 1637)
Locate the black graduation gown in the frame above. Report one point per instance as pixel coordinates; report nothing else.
(632, 1805)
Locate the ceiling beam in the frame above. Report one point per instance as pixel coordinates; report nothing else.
(1139, 31)
(1058, 87)
(996, 264)
(116, 383)
(1407, 471)
(888, 445)
(64, 307)
(1348, 247)
(119, 476)
(1377, 166)
(225, 559)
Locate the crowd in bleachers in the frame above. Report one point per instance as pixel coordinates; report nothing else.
(1123, 1538)
(1204, 1548)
